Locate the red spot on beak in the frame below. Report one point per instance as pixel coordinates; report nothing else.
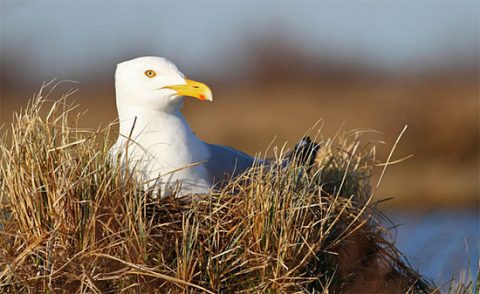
(201, 96)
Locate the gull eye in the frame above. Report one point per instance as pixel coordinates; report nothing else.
(150, 73)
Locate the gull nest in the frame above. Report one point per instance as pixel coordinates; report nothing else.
(70, 221)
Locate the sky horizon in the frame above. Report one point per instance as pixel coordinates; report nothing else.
(52, 39)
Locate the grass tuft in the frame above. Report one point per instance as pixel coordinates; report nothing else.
(73, 221)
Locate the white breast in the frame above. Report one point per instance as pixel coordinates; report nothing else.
(167, 156)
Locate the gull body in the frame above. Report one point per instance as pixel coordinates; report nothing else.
(156, 141)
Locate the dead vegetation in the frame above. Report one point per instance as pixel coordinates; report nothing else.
(73, 222)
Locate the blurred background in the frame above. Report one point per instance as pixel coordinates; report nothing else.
(277, 68)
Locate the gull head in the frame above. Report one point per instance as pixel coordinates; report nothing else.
(154, 83)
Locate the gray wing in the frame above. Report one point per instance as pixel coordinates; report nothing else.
(226, 162)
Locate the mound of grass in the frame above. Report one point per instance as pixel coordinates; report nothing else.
(73, 221)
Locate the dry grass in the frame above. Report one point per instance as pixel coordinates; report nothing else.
(442, 116)
(73, 222)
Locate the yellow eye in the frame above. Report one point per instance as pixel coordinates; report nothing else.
(150, 73)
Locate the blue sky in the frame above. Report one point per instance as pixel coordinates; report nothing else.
(72, 38)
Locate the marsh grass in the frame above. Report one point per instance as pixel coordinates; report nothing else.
(465, 283)
(71, 221)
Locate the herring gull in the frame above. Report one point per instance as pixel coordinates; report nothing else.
(156, 141)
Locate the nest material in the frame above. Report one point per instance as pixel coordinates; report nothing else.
(71, 221)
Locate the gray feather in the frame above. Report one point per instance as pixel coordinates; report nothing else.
(226, 162)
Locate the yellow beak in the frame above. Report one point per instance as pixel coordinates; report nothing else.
(193, 89)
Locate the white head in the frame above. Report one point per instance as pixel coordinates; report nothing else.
(154, 83)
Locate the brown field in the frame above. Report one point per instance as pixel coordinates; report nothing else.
(441, 112)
